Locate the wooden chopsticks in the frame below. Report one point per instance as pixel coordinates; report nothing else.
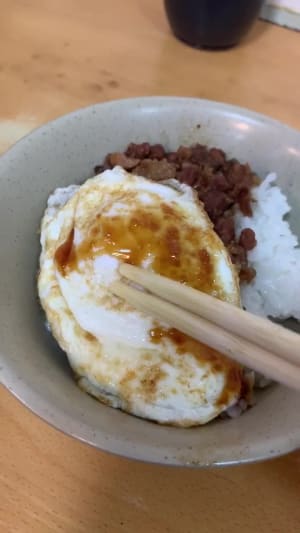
(253, 341)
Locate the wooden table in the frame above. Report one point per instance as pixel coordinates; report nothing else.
(56, 56)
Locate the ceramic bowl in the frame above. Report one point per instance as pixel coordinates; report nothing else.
(33, 368)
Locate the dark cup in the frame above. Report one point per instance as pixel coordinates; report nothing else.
(212, 23)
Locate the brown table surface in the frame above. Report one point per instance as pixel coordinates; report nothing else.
(56, 56)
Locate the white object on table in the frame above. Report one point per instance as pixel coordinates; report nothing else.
(282, 12)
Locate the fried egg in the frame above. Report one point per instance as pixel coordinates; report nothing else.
(120, 355)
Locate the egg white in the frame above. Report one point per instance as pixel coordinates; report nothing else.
(107, 341)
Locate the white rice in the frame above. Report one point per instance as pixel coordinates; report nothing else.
(275, 291)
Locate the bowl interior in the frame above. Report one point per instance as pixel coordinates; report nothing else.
(33, 367)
